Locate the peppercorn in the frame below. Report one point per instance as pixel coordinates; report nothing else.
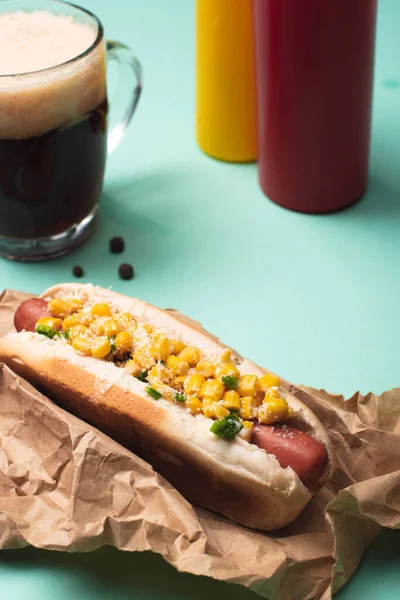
(78, 271)
(117, 245)
(126, 271)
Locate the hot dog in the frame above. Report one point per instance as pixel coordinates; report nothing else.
(30, 311)
(293, 448)
(218, 427)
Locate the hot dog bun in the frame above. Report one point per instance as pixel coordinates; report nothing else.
(235, 478)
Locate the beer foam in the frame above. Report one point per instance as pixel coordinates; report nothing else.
(30, 41)
(39, 89)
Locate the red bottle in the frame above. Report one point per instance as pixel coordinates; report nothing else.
(315, 61)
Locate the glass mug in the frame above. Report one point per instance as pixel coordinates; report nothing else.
(54, 131)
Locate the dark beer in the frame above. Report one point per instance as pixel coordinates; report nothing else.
(53, 128)
(50, 182)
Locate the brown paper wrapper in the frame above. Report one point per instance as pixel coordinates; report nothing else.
(66, 486)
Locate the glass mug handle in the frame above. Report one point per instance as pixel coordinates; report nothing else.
(128, 65)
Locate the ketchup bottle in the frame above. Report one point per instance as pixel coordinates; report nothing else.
(314, 62)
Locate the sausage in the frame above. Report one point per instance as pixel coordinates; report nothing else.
(293, 448)
(29, 312)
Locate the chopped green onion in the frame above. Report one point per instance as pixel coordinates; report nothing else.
(153, 393)
(113, 348)
(163, 363)
(67, 334)
(227, 427)
(230, 382)
(46, 330)
(234, 411)
(180, 397)
(142, 376)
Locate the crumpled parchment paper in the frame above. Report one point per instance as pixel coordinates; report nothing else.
(66, 486)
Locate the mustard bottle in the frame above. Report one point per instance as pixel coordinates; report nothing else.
(225, 80)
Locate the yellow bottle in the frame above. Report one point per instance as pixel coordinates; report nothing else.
(225, 79)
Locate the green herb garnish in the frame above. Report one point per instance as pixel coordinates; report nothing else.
(152, 392)
(46, 330)
(180, 397)
(227, 427)
(111, 339)
(229, 382)
(142, 376)
(234, 411)
(67, 334)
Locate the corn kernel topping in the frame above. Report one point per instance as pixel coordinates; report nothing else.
(170, 369)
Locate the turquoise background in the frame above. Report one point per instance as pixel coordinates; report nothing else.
(315, 299)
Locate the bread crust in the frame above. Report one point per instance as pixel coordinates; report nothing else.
(236, 479)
